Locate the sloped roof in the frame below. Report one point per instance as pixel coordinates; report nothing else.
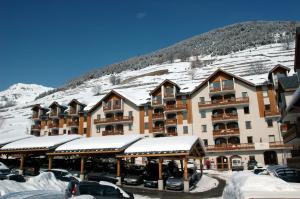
(76, 101)
(162, 83)
(289, 83)
(56, 104)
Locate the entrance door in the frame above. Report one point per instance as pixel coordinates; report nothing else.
(270, 157)
(222, 163)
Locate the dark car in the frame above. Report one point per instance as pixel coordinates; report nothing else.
(175, 182)
(251, 164)
(4, 173)
(102, 176)
(101, 190)
(16, 178)
(134, 175)
(285, 173)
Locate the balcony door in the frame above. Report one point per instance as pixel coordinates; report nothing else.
(222, 163)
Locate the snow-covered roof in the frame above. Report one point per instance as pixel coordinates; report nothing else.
(163, 145)
(116, 142)
(137, 96)
(45, 142)
(6, 138)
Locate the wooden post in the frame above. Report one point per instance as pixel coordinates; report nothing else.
(22, 164)
(185, 169)
(201, 166)
(50, 162)
(119, 171)
(160, 178)
(82, 168)
(186, 185)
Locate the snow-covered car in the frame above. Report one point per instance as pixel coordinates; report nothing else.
(101, 190)
(36, 194)
(62, 174)
(4, 171)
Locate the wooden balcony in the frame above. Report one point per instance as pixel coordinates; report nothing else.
(35, 127)
(158, 129)
(53, 125)
(157, 103)
(157, 116)
(113, 107)
(219, 89)
(73, 112)
(114, 120)
(73, 123)
(279, 144)
(169, 95)
(172, 133)
(224, 117)
(35, 116)
(226, 132)
(113, 132)
(171, 121)
(292, 132)
(215, 89)
(223, 103)
(230, 147)
(53, 114)
(269, 113)
(175, 107)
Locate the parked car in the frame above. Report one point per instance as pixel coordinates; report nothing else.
(101, 190)
(4, 171)
(237, 164)
(102, 176)
(134, 175)
(36, 194)
(16, 178)
(285, 173)
(62, 175)
(175, 182)
(251, 164)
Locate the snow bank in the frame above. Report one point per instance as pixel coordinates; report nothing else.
(3, 166)
(44, 181)
(245, 184)
(205, 183)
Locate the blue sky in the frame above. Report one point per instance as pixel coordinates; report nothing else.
(49, 42)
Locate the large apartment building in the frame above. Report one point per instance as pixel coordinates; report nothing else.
(235, 117)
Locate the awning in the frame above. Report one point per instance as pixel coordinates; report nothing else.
(166, 146)
(96, 145)
(37, 144)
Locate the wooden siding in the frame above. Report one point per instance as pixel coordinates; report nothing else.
(260, 101)
(142, 120)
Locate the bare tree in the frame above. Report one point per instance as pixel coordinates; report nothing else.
(197, 64)
(97, 89)
(114, 80)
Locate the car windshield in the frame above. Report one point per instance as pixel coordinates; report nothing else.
(91, 190)
(4, 171)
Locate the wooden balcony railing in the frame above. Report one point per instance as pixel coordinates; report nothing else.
(226, 132)
(226, 116)
(36, 127)
(279, 144)
(171, 121)
(228, 87)
(216, 103)
(116, 106)
(53, 125)
(175, 107)
(156, 102)
(113, 107)
(53, 113)
(73, 123)
(172, 133)
(113, 132)
(73, 111)
(215, 89)
(158, 129)
(169, 95)
(230, 147)
(269, 113)
(224, 88)
(158, 116)
(35, 116)
(114, 119)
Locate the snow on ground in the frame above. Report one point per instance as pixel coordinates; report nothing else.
(43, 181)
(205, 183)
(224, 175)
(245, 184)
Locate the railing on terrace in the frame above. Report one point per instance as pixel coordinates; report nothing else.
(232, 101)
(114, 119)
(113, 132)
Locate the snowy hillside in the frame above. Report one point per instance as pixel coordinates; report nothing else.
(137, 84)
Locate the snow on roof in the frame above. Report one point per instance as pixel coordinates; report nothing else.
(163, 144)
(5, 138)
(99, 143)
(257, 79)
(93, 102)
(40, 142)
(138, 96)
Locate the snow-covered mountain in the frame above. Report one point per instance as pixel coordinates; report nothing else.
(136, 84)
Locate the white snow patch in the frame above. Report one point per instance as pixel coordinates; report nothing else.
(205, 183)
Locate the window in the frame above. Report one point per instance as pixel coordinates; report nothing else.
(130, 113)
(84, 130)
(146, 111)
(248, 124)
(130, 127)
(65, 131)
(267, 107)
(270, 122)
(204, 128)
(265, 91)
(203, 114)
(183, 99)
(246, 110)
(146, 125)
(205, 142)
(244, 94)
(98, 128)
(98, 117)
(250, 139)
(111, 192)
(202, 99)
(184, 115)
(271, 138)
(185, 130)
(215, 86)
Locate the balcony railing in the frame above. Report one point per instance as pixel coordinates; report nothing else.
(279, 144)
(156, 102)
(226, 132)
(171, 121)
(35, 116)
(175, 107)
(158, 116)
(158, 129)
(53, 125)
(172, 133)
(113, 132)
(227, 116)
(223, 88)
(292, 132)
(269, 113)
(216, 103)
(114, 119)
(73, 123)
(215, 89)
(112, 107)
(169, 95)
(227, 87)
(53, 113)
(73, 111)
(230, 147)
(36, 127)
